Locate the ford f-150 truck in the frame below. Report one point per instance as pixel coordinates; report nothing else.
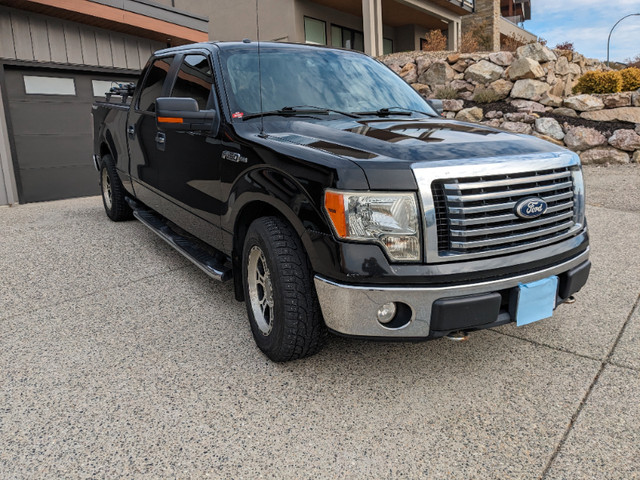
(337, 199)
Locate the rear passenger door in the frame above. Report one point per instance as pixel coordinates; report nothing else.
(146, 154)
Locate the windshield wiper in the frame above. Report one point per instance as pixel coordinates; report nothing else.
(384, 112)
(299, 110)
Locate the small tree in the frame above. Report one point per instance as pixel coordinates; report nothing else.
(565, 46)
(633, 62)
(436, 41)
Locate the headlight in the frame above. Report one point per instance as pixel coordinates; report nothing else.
(390, 219)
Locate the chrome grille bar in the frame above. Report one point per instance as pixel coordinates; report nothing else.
(512, 238)
(507, 182)
(509, 193)
(503, 206)
(503, 218)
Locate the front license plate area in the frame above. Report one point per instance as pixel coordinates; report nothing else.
(536, 300)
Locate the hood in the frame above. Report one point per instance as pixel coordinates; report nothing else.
(386, 148)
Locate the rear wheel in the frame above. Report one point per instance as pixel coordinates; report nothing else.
(113, 193)
(282, 305)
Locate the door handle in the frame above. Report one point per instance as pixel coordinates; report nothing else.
(161, 138)
(131, 130)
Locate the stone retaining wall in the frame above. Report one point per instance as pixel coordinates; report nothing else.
(537, 82)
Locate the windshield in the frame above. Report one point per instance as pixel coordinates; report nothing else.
(313, 77)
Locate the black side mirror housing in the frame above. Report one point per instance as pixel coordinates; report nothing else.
(436, 104)
(178, 113)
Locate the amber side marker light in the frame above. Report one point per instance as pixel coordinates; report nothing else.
(170, 120)
(334, 204)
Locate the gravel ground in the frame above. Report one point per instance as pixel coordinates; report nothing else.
(120, 359)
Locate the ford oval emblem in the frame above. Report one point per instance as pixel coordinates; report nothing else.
(529, 208)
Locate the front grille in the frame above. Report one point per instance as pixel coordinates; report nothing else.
(475, 215)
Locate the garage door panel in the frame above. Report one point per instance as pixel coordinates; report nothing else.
(45, 151)
(53, 118)
(52, 130)
(41, 185)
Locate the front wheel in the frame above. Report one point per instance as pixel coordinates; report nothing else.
(282, 305)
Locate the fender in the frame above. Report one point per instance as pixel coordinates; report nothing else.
(265, 188)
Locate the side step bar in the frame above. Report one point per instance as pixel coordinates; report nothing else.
(206, 262)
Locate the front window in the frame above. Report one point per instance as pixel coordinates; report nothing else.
(318, 77)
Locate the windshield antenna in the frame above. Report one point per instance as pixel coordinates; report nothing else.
(262, 134)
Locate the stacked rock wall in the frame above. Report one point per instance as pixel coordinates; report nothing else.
(537, 84)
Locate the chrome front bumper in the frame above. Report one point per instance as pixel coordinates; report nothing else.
(352, 310)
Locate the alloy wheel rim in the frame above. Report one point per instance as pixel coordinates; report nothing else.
(260, 290)
(106, 189)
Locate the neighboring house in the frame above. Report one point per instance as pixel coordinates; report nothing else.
(372, 26)
(501, 19)
(56, 58)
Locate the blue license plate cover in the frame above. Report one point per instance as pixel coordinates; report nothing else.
(536, 300)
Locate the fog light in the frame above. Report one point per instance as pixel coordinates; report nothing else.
(387, 312)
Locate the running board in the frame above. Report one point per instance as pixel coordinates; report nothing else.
(206, 262)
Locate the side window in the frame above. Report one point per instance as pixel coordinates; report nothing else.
(152, 87)
(194, 80)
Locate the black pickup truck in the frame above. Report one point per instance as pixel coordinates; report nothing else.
(337, 199)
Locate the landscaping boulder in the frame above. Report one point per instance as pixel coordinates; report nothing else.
(439, 73)
(617, 100)
(462, 86)
(627, 140)
(521, 117)
(536, 51)
(483, 72)
(566, 112)
(495, 123)
(517, 127)
(583, 138)
(636, 156)
(550, 127)
(584, 103)
(409, 73)
(528, 106)
(422, 89)
(452, 105)
(602, 155)
(638, 129)
(635, 98)
(453, 57)
(493, 114)
(504, 59)
(550, 100)
(470, 114)
(529, 89)
(502, 87)
(622, 114)
(525, 68)
(423, 63)
(562, 66)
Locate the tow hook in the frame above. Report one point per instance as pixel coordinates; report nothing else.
(459, 336)
(570, 300)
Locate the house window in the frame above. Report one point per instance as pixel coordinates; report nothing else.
(36, 85)
(387, 46)
(347, 38)
(315, 31)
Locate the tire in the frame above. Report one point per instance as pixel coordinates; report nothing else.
(281, 299)
(113, 193)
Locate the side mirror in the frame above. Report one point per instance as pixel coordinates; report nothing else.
(436, 105)
(175, 113)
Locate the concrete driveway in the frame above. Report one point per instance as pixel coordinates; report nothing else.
(118, 358)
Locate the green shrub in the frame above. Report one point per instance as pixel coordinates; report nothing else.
(630, 79)
(446, 93)
(599, 82)
(486, 95)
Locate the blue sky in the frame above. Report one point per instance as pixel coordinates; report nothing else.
(586, 23)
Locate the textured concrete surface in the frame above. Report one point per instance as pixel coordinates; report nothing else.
(120, 359)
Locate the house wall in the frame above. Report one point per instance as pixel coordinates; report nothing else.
(487, 11)
(38, 38)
